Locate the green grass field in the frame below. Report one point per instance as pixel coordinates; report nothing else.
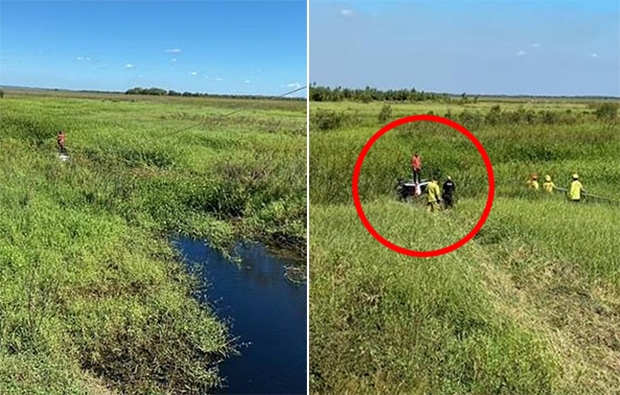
(530, 306)
(93, 299)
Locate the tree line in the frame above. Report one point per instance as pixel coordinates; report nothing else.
(368, 94)
(164, 92)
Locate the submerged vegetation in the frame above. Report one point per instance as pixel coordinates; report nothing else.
(530, 306)
(93, 298)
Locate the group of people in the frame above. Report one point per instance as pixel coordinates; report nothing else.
(435, 195)
(574, 192)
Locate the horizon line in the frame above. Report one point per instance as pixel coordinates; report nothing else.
(257, 95)
(483, 95)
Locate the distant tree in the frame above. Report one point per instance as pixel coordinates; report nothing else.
(155, 92)
(1, 94)
(162, 92)
(135, 91)
(145, 91)
(368, 94)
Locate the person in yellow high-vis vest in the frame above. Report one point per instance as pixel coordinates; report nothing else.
(548, 185)
(575, 190)
(532, 183)
(433, 195)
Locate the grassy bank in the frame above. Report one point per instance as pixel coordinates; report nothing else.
(529, 306)
(92, 297)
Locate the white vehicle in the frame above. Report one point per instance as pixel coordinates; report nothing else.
(408, 189)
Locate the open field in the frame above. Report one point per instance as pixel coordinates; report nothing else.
(530, 306)
(92, 296)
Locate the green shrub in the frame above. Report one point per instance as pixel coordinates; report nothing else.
(385, 114)
(328, 120)
(607, 111)
(493, 117)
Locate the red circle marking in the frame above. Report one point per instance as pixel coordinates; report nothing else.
(358, 168)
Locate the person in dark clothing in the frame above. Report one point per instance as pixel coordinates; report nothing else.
(405, 192)
(448, 192)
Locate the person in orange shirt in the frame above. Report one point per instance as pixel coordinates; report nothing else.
(416, 167)
(61, 142)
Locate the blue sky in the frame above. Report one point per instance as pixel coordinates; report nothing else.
(562, 47)
(240, 47)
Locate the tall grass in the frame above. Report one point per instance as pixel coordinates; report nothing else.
(527, 307)
(90, 289)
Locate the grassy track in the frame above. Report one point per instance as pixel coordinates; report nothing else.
(530, 306)
(92, 298)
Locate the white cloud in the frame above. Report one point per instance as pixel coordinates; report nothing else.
(193, 73)
(129, 66)
(219, 79)
(247, 81)
(295, 85)
(521, 53)
(174, 50)
(87, 59)
(346, 12)
(80, 58)
(206, 77)
(536, 45)
(173, 60)
(594, 55)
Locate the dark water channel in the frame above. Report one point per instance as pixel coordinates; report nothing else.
(263, 308)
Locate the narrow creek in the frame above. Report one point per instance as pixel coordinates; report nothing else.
(262, 308)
